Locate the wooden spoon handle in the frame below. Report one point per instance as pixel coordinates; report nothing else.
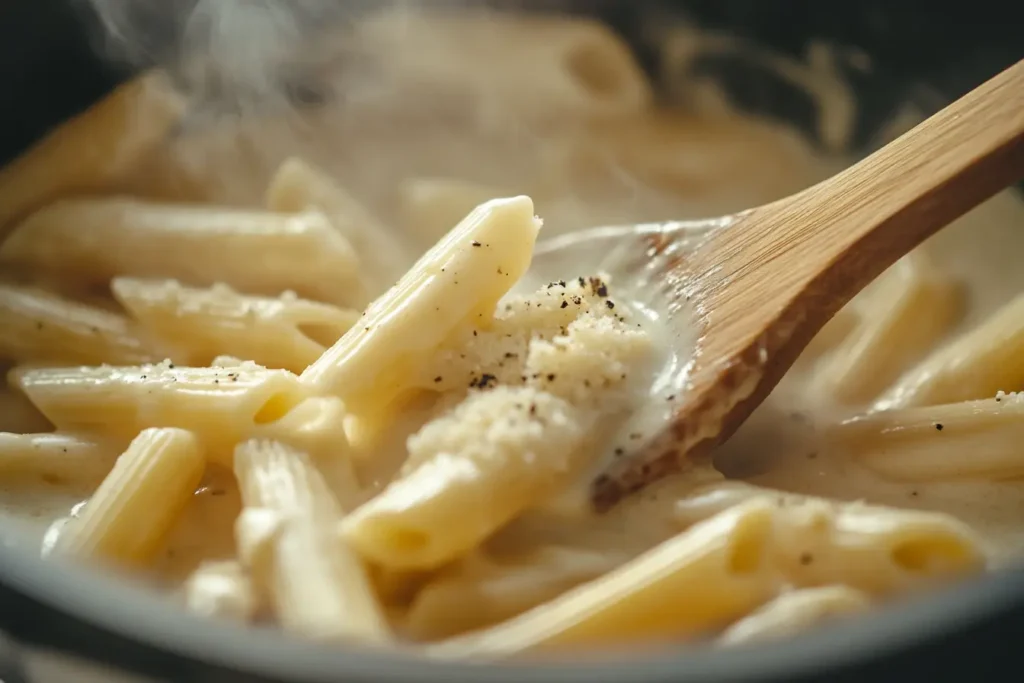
(864, 219)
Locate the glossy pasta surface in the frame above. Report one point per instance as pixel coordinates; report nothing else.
(322, 390)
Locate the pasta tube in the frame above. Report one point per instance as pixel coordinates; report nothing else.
(39, 326)
(704, 578)
(457, 283)
(91, 151)
(908, 311)
(220, 405)
(133, 510)
(875, 549)
(474, 597)
(317, 585)
(283, 332)
(316, 427)
(987, 359)
(498, 453)
(794, 612)
(55, 457)
(957, 441)
(97, 239)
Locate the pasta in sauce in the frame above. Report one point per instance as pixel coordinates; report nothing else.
(269, 430)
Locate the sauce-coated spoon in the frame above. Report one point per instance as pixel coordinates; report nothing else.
(758, 285)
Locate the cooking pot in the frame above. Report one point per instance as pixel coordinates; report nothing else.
(63, 623)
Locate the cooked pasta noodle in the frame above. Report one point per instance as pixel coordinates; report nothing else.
(283, 417)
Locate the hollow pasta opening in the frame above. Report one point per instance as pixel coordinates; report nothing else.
(324, 334)
(406, 540)
(932, 554)
(275, 407)
(747, 546)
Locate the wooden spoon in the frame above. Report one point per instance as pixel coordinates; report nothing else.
(760, 284)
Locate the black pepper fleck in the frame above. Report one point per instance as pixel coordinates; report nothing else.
(670, 397)
(551, 377)
(609, 303)
(806, 559)
(938, 426)
(475, 243)
(602, 290)
(438, 378)
(484, 381)
(565, 304)
(619, 452)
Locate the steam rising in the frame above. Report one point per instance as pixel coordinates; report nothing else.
(235, 53)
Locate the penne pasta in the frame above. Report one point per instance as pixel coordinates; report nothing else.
(420, 520)
(474, 597)
(94, 240)
(794, 612)
(283, 332)
(909, 309)
(133, 510)
(875, 549)
(221, 589)
(298, 186)
(704, 578)
(92, 151)
(220, 405)
(982, 361)
(42, 327)
(456, 284)
(55, 457)
(317, 585)
(953, 442)
(316, 427)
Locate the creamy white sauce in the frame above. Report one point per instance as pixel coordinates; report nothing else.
(662, 166)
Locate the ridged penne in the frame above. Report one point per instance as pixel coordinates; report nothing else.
(703, 578)
(474, 596)
(457, 283)
(469, 461)
(55, 457)
(794, 612)
(94, 240)
(316, 427)
(433, 206)
(875, 549)
(908, 310)
(957, 441)
(220, 405)
(984, 360)
(317, 585)
(283, 332)
(221, 589)
(298, 186)
(92, 151)
(131, 513)
(40, 326)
